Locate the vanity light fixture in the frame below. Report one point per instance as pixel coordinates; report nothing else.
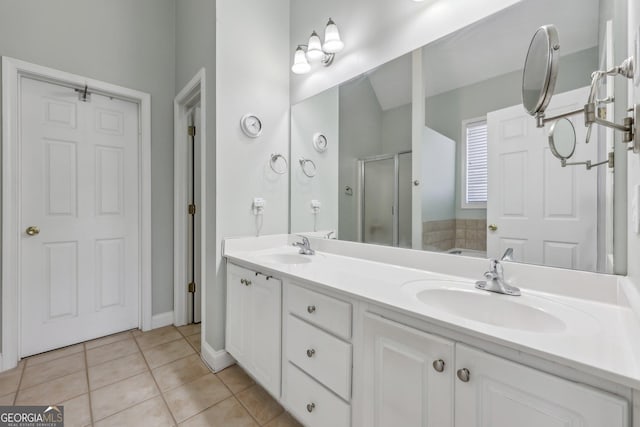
(316, 51)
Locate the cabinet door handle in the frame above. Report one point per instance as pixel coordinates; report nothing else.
(243, 281)
(464, 375)
(311, 352)
(311, 407)
(311, 309)
(247, 282)
(438, 365)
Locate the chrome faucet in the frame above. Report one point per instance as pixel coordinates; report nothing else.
(329, 234)
(495, 277)
(305, 246)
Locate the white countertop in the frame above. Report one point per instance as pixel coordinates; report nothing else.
(607, 347)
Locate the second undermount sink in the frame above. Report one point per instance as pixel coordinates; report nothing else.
(525, 313)
(286, 258)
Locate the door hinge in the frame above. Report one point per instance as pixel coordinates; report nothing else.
(192, 209)
(191, 130)
(192, 287)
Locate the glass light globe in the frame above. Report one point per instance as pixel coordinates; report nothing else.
(300, 64)
(314, 50)
(332, 42)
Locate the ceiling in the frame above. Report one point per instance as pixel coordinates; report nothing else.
(492, 47)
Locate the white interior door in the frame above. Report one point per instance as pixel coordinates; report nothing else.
(80, 274)
(546, 213)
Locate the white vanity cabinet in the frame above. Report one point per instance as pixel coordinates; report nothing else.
(402, 385)
(407, 376)
(253, 327)
(500, 393)
(317, 360)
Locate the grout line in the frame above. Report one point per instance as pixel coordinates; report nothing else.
(156, 383)
(24, 366)
(86, 370)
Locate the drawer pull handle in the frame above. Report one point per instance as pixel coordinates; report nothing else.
(311, 407)
(464, 375)
(311, 309)
(438, 365)
(311, 352)
(243, 281)
(247, 282)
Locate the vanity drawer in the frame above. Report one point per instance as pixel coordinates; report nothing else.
(327, 312)
(321, 355)
(312, 404)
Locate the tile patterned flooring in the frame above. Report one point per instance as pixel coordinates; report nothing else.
(154, 378)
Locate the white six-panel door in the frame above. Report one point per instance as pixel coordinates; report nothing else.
(79, 277)
(546, 213)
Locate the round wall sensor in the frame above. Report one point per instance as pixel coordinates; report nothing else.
(251, 125)
(320, 142)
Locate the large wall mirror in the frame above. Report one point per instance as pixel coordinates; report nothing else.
(476, 176)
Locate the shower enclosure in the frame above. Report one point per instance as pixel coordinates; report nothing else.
(384, 216)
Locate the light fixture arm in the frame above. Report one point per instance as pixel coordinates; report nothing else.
(327, 58)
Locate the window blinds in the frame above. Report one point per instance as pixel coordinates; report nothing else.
(476, 184)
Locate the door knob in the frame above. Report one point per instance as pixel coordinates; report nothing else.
(32, 230)
(464, 375)
(493, 227)
(438, 365)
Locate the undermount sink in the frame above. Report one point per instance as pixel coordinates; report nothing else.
(525, 313)
(288, 259)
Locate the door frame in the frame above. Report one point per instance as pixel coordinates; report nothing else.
(12, 70)
(186, 98)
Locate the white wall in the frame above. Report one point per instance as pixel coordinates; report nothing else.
(128, 43)
(633, 164)
(196, 49)
(252, 76)
(318, 114)
(396, 129)
(375, 32)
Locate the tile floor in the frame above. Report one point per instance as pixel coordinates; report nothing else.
(154, 378)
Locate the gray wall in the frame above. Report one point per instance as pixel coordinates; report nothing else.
(360, 136)
(128, 43)
(196, 49)
(396, 129)
(445, 112)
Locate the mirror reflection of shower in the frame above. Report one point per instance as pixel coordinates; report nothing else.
(385, 199)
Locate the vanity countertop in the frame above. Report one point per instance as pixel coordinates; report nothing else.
(606, 346)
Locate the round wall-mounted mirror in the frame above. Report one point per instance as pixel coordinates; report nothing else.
(562, 139)
(540, 70)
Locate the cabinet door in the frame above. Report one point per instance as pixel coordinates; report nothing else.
(500, 393)
(401, 386)
(237, 312)
(265, 314)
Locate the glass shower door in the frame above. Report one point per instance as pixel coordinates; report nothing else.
(405, 189)
(379, 183)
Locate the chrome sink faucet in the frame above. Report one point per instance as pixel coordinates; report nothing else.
(495, 277)
(305, 246)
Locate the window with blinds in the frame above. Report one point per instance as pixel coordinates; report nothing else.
(475, 188)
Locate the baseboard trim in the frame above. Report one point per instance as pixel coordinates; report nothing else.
(162, 319)
(217, 360)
